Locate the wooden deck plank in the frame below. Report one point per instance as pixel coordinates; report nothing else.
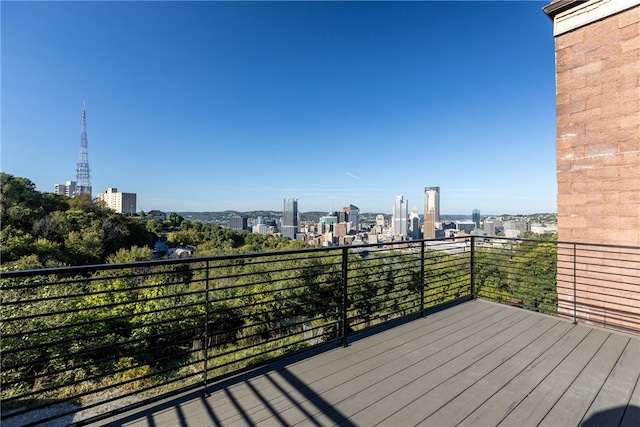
(339, 377)
(414, 412)
(338, 369)
(606, 408)
(374, 403)
(631, 416)
(542, 398)
(468, 400)
(500, 403)
(478, 363)
(359, 356)
(575, 402)
(343, 385)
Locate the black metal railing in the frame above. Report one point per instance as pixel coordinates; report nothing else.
(90, 339)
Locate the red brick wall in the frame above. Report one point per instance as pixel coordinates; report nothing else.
(598, 160)
(598, 131)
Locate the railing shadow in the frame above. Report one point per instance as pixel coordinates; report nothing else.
(279, 367)
(42, 416)
(207, 410)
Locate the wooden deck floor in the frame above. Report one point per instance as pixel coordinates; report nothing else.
(474, 364)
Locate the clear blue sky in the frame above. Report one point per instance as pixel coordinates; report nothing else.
(204, 106)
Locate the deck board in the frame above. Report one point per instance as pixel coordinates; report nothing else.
(617, 388)
(478, 391)
(476, 363)
(580, 395)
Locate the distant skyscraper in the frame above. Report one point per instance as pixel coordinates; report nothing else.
(238, 222)
(344, 215)
(489, 228)
(327, 223)
(414, 223)
(429, 227)
(290, 218)
(432, 201)
(354, 217)
(83, 176)
(475, 217)
(400, 217)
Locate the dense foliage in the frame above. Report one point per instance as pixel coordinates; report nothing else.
(49, 230)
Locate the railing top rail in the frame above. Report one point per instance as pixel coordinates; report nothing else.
(163, 262)
(383, 245)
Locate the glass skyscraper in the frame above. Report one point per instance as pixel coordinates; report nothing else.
(432, 201)
(400, 216)
(475, 217)
(290, 217)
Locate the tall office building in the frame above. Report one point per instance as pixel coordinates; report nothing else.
(122, 203)
(238, 222)
(432, 201)
(414, 224)
(344, 215)
(475, 217)
(429, 226)
(354, 217)
(489, 228)
(400, 217)
(290, 217)
(327, 223)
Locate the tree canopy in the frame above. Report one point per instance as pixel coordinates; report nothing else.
(49, 230)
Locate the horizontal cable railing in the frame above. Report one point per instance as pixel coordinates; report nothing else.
(99, 338)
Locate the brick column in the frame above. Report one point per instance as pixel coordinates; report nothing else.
(597, 47)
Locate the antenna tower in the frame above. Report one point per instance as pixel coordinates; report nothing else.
(83, 176)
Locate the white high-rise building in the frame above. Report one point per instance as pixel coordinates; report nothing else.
(432, 201)
(414, 223)
(68, 189)
(400, 217)
(122, 203)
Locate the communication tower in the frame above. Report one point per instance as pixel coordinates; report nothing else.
(83, 176)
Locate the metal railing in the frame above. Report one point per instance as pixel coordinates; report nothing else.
(99, 338)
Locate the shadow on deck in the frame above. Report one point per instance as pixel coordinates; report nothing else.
(476, 363)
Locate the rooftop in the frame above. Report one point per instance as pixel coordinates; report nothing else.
(475, 363)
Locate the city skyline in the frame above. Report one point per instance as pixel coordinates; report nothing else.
(242, 104)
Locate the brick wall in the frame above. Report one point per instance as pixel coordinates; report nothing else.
(598, 130)
(598, 152)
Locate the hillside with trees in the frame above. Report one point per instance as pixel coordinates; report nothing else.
(48, 230)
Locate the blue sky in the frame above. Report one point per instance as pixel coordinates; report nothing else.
(199, 106)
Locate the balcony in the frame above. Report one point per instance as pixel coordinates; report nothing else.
(475, 332)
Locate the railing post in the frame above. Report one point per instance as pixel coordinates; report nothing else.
(473, 268)
(345, 299)
(575, 307)
(205, 345)
(422, 279)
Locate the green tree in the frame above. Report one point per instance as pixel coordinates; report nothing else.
(532, 275)
(133, 254)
